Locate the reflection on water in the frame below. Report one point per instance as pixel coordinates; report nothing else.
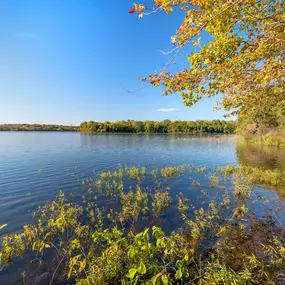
(260, 156)
(34, 166)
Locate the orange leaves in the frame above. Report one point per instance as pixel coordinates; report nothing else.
(195, 2)
(158, 3)
(138, 8)
(155, 79)
(183, 28)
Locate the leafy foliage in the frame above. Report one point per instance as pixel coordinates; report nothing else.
(166, 126)
(124, 242)
(38, 127)
(243, 61)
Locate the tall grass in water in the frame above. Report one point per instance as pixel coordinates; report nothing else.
(270, 138)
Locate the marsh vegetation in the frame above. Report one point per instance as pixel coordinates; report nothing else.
(130, 226)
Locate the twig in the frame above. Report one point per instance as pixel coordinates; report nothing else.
(278, 219)
(39, 260)
(133, 91)
(24, 279)
(56, 270)
(157, 9)
(2, 268)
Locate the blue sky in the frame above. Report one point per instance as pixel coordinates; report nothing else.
(67, 61)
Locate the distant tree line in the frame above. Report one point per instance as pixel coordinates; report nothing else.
(166, 126)
(38, 127)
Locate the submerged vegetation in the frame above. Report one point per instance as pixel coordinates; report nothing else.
(132, 226)
(38, 127)
(166, 126)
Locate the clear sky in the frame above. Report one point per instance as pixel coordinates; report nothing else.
(67, 61)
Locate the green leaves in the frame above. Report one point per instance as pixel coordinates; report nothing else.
(156, 279)
(178, 274)
(132, 273)
(241, 60)
(141, 269)
(3, 226)
(166, 126)
(164, 279)
(159, 279)
(157, 232)
(119, 253)
(131, 251)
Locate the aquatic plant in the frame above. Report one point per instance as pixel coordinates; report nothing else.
(3, 226)
(256, 175)
(172, 171)
(161, 201)
(127, 241)
(135, 172)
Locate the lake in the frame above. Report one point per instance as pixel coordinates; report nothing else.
(35, 166)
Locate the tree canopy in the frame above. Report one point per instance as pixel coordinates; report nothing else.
(243, 62)
(166, 126)
(38, 127)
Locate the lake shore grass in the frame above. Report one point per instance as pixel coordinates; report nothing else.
(271, 138)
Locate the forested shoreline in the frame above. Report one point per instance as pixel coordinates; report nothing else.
(164, 127)
(38, 127)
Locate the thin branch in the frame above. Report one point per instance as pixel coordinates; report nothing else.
(39, 260)
(133, 91)
(172, 59)
(168, 52)
(158, 9)
(56, 270)
(278, 219)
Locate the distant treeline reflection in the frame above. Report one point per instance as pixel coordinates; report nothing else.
(166, 126)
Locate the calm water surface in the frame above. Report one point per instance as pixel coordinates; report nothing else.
(34, 166)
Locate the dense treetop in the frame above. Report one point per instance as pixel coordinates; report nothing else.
(243, 61)
(166, 126)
